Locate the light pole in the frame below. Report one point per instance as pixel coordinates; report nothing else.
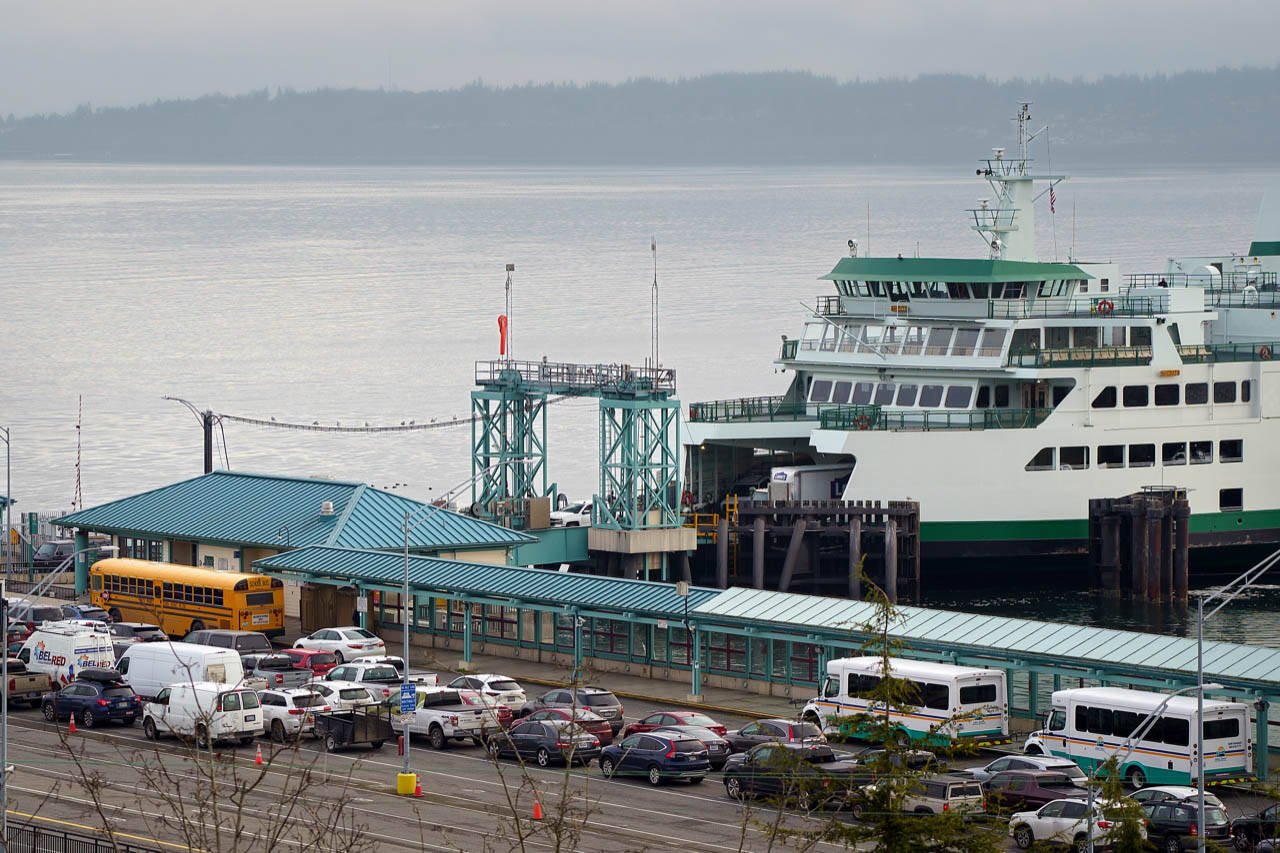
(8, 511)
(1131, 743)
(1220, 598)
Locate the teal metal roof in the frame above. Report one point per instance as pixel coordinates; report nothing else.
(4, 501)
(949, 269)
(263, 510)
(434, 574)
(1076, 645)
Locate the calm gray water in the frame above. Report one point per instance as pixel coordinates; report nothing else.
(360, 295)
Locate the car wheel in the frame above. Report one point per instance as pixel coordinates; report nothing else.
(377, 744)
(1023, 837)
(149, 729)
(804, 802)
(129, 721)
(544, 757)
(901, 739)
(277, 731)
(337, 654)
(330, 743)
(115, 615)
(88, 719)
(606, 767)
(1079, 843)
(1172, 845)
(733, 787)
(1137, 778)
(655, 775)
(856, 811)
(495, 748)
(50, 713)
(696, 780)
(197, 626)
(923, 810)
(1243, 842)
(246, 740)
(436, 738)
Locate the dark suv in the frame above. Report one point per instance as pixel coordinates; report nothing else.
(96, 696)
(55, 552)
(1173, 826)
(595, 699)
(244, 642)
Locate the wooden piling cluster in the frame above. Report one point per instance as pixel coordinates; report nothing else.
(823, 542)
(1140, 543)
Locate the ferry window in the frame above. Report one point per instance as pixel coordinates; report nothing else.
(1231, 450)
(975, 694)
(862, 393)
(1111, 456)
(890, 340)
(1025, 340)
(992, 341)
(979, 289)
(1073, 458)
(1139, 336)
(1086, 337)
(1060, 393)
(1104, 285)
(1245, 391)
(1230, 500)
(1142, 455)
(1084, 287)
(1175, 335)
(1166, 395)
(1057, 337)
(1201, 452)
(918, 290)
(1221, 729)
(997, 290)
(884, 393)
(1196, 393)
(1042, 461)
(957, 290)
(1174, 453)
(907, 395)
(1117, 336)
(913, 340)
(841, 394)
(1135, 395)
(820, 392)
(849, 342)
(1106, 398)
(1013, 290)
(829, 336)
(861, 287)
(877, 288)
(958, 396)
(1002, 396)
(965, 340)
(984, 397)
(1046, 288)
(939, 341)
(1224, 392)
(930, 396)
(937, 290)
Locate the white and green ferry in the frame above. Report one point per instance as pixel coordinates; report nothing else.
(1003, 393)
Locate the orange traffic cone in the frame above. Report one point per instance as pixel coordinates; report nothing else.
(72, 728)
(417, 789)
(537, 810)
(257, 759)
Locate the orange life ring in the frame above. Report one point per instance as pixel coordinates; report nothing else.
(1265, 353)
(1105, 307)
(864, 422)
(687, 498)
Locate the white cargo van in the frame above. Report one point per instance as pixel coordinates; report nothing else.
(151, 667)
(62, 649)
(205, 711)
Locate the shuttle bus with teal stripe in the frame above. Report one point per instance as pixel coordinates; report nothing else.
(953, 703)
(1090, 724)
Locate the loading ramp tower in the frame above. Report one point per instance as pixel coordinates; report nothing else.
(636, 513)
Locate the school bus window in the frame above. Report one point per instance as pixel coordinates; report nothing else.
(217, 597)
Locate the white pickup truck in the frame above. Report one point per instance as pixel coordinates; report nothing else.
(443, 715)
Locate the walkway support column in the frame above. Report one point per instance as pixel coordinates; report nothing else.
(855, 557)
(757, 552)
(695, 660)
(1154, 593)
(81, 562)
(1138, 541)
(686, 570)
(891, 559)
(722, 552)
(1182, 540)
(793, 553)
(466, 632)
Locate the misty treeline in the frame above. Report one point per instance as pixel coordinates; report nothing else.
(1226, 116)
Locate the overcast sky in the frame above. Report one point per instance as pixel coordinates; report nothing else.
(57, 55)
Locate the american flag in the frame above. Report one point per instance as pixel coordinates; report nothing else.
(1053, 199)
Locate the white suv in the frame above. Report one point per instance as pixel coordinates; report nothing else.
(345, 695)
(497, 689)
(347, 643)
(289, 712)
(1063, 822)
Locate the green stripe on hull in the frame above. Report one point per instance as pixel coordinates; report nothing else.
(1078, 528)
(1264, 247)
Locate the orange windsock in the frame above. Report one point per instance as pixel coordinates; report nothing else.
(502, 331)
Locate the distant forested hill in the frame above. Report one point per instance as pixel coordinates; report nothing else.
(1226, 116)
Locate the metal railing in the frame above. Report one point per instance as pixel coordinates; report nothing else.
(789, 348)
(748, 409)
(827, 305)
(1242, 299)
(27, 838)
(66, 593)
(1102, 305)
(1209, 353)
(555, 376)
(1227, 281)
(1081, 357)
(876, 418)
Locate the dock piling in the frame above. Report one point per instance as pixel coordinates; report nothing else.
(793, 554)
(757, 552)
(855, 557)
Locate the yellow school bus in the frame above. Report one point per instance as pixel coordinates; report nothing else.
(185, 598)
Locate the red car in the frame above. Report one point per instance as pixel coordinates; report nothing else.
(317, 662)
(473, 697)
(659, 719)
(589, 720)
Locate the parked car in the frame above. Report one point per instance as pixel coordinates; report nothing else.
(587, 719)
(346, 695)
(597, 699)
(346, 643)
(318, 662)
(290, 712)
(546, 742)
(943, 792)
(85, 611)
(663, 719)
(807, 775)
(443, 715)
(241, 642)
(1024, 790)
(872, 760)
(63, 649)
(1250, 830)
(1062, 822)
(1027, 762)
(151, 667)
(1174, 826)
(718, 751)
(55, 552)
(501, 688)
(380, 676)
(1174, 793)
(25, 686)
(771, 731)
(32, 616)
(657, 757)
(95, 697)
(576, 514)
(503, 713)
(205, 712)
(136, 632)
(278, 670)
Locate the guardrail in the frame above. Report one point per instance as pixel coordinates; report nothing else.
(875, 418)
(28, 838)
(1099, 306)
(1209, 353)
(789, 348)
(66, 593)
(569, 376)
(1226, 281)
(1081, 357)
(748, 409)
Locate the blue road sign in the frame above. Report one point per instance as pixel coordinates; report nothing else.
(407, 692)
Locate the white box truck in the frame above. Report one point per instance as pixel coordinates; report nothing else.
(805, 483)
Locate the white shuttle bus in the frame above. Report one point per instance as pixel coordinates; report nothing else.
(1090, 724)
(957, 703)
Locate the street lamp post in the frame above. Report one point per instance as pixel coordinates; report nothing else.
(8, 510)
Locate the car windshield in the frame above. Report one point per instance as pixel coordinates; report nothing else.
(253, 643)
(362, 634)
(42, 613)
(574, 509)
(119, 690)
(381, 673)
(819, 756)
(93, 613)
(689, 746)
(322, 659)
(1214, 816)
(352, 693)
(598, 700)
(699, 720)
(275, 663)
(148, 632)
(967, 790)
(503, 684)
(307, 700)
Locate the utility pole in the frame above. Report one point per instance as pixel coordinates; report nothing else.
(207, 421)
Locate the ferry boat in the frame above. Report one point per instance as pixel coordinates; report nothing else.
(1003, 393)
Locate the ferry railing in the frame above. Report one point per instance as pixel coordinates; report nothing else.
(1081, 357)
(1242, 298)
(1210, 353)
(1215, 282)
(827, 305)
(1102, 305)
(876, 418)
(570, 377)
(748, 409)
(789, 348)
